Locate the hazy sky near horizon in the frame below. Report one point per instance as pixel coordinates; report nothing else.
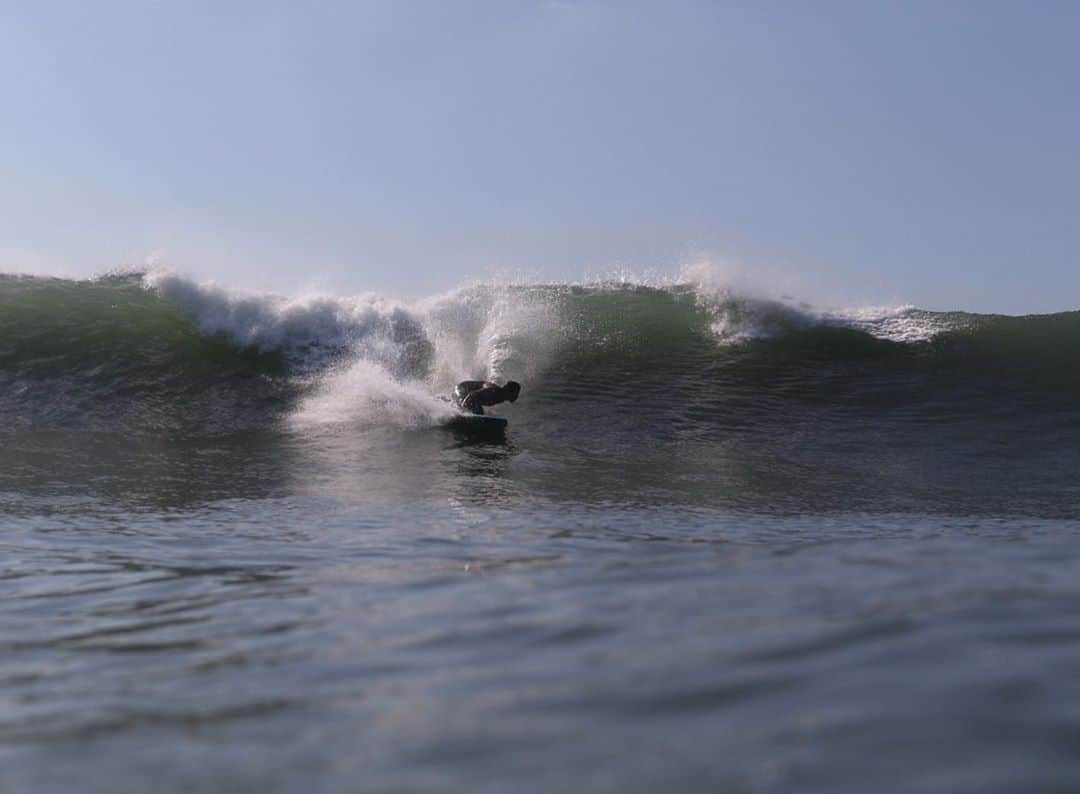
(859, 151)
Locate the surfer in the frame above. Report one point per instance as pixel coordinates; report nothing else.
(473, 395)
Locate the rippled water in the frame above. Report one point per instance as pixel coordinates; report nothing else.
(389, 611)
(728, 544)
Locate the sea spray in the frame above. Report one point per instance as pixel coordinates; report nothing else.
(362, 394)
(492, 332)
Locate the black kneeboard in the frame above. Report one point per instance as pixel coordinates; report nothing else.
(480, 424)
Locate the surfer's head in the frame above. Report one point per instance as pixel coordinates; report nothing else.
(512, 389)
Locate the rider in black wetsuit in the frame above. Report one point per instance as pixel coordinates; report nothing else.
(473, 395)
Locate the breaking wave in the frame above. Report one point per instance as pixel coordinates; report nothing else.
(159, 352)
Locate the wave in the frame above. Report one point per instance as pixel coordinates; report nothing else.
(152, 351)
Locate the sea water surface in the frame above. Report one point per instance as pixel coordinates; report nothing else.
(727, 544)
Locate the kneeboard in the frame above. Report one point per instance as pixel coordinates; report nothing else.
(477, 423)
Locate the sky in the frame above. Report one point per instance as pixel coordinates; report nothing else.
(864, 151)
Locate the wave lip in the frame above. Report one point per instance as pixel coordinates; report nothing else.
(312, 332)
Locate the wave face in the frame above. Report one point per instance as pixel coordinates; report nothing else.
(146, 352)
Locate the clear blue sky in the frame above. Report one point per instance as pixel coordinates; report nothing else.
(922, 152)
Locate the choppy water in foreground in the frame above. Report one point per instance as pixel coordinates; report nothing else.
(726, 545)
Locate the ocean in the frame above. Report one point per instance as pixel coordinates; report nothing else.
(727, 544)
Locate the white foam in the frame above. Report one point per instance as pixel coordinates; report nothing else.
(895, 323)
(311, 330)
(744, 308)
(372, 361)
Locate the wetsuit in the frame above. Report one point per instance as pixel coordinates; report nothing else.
(473, 395)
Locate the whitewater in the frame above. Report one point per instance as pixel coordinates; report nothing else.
(730, 542)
